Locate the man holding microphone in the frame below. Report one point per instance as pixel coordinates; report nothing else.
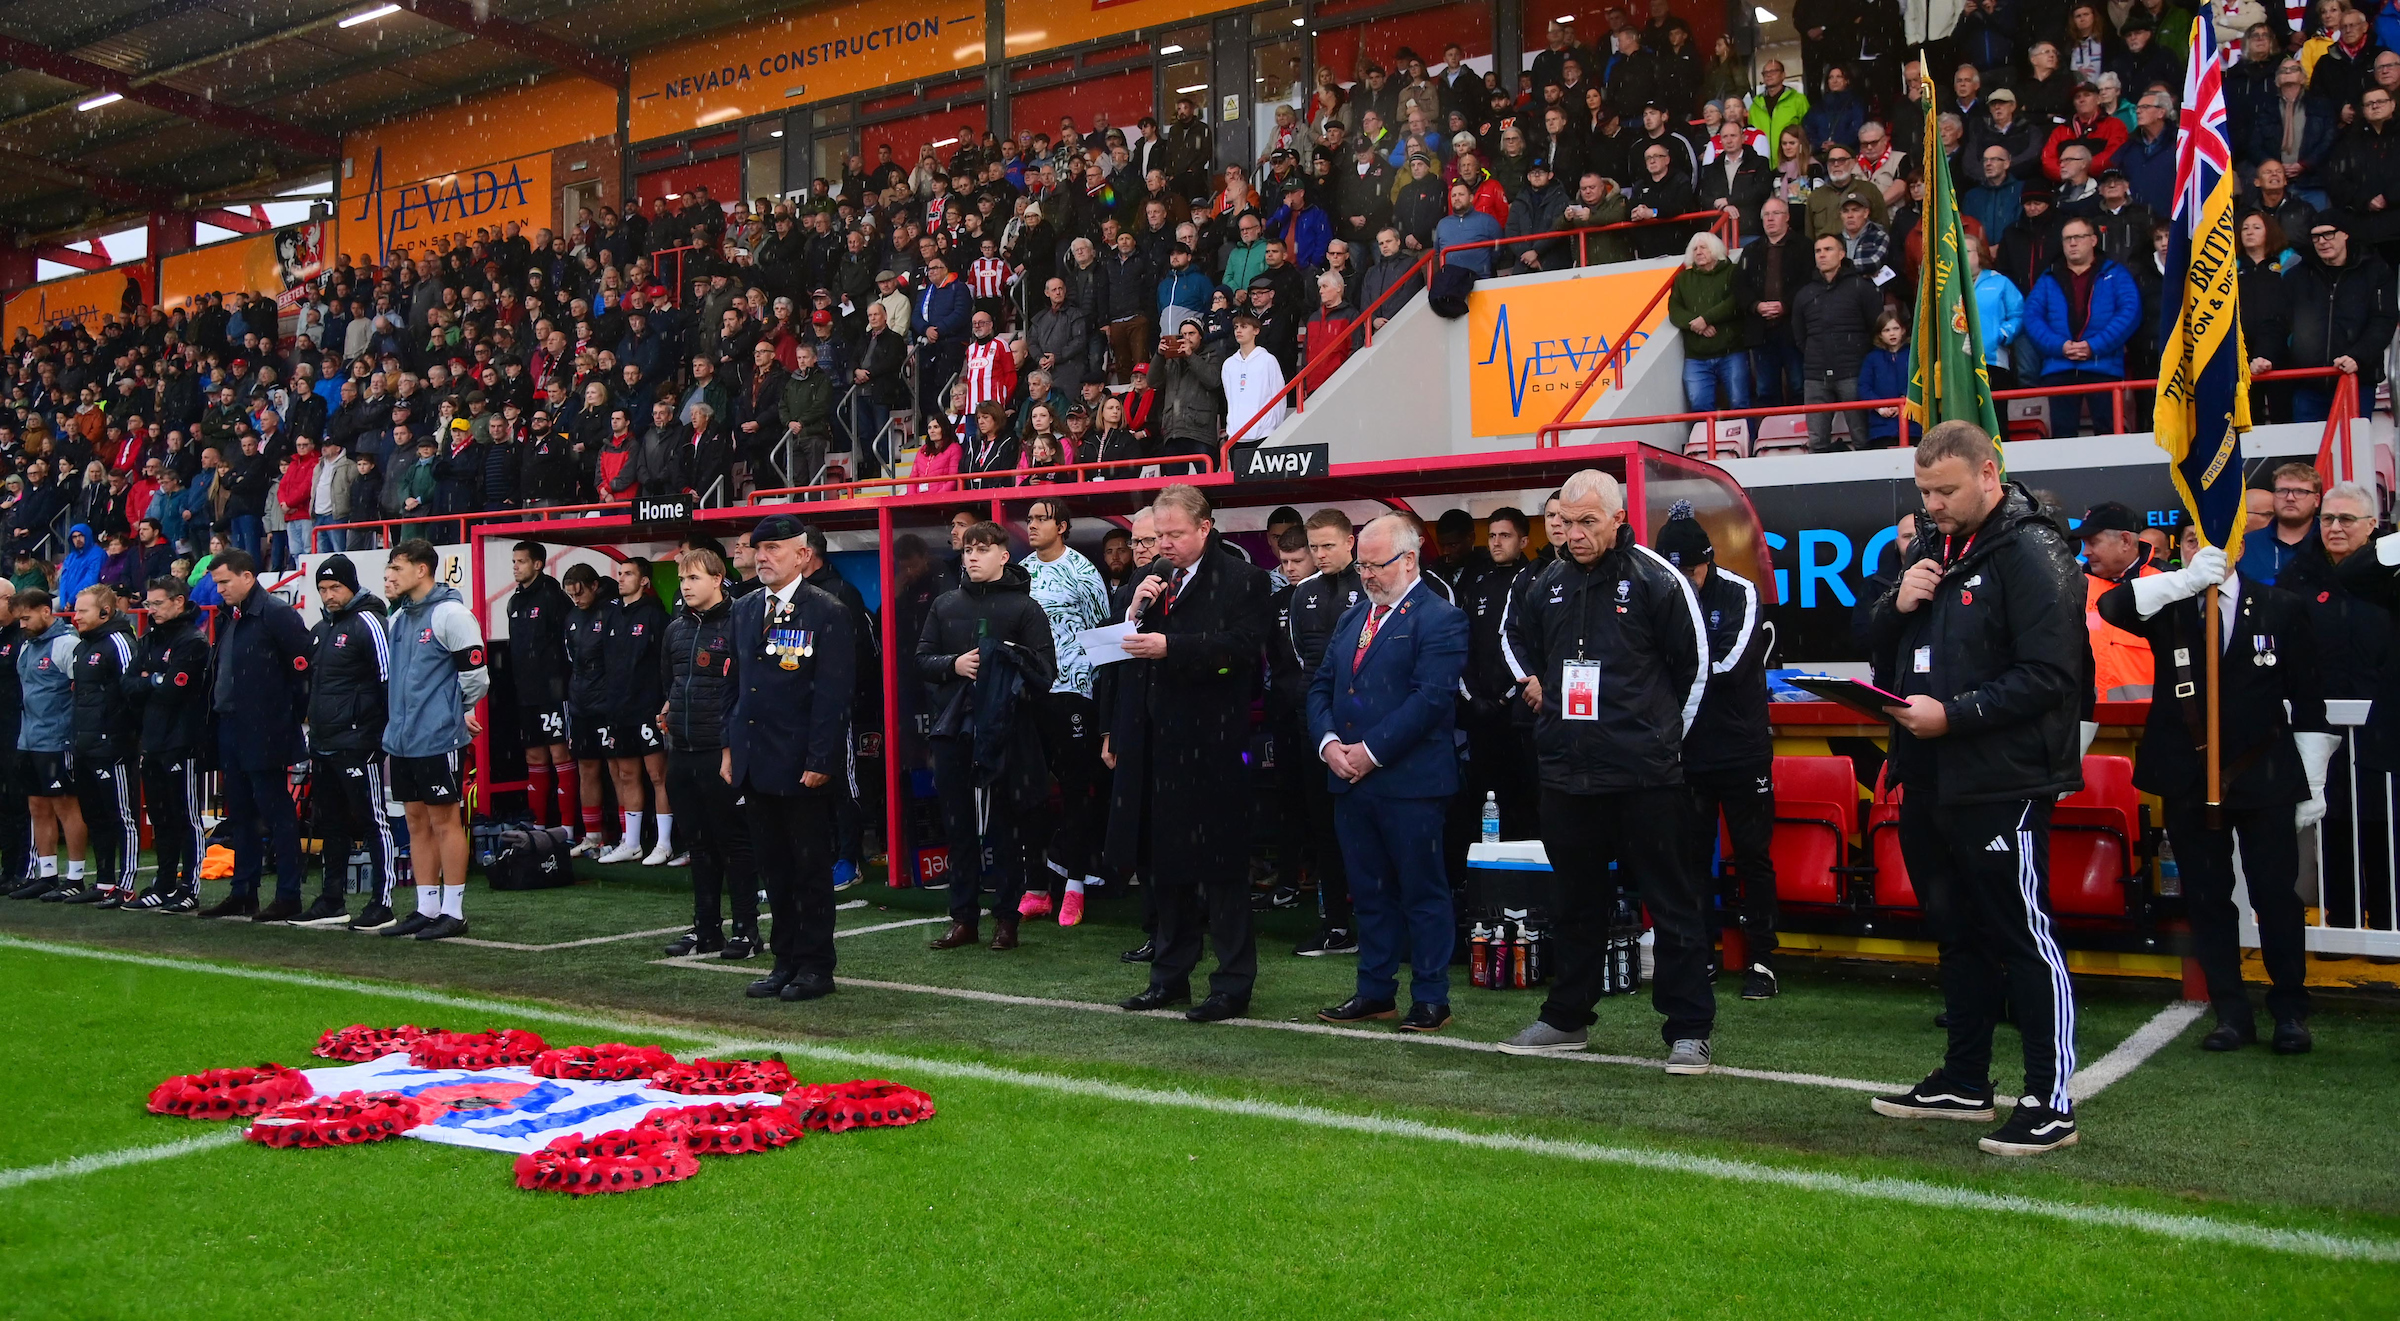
(1983, 635)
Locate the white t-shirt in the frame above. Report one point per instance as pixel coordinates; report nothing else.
(1251, 380)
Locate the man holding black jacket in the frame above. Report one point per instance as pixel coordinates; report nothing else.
(1983, 638)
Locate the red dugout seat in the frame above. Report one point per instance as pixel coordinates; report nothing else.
(1816, 813)
(2094, 836)
(1892, 888)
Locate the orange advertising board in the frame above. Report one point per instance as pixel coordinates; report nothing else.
(88, 298)
(820, 53)
(383, 214)
(460, 168)
(1048, 24)
(558, 111)
(1530, 345)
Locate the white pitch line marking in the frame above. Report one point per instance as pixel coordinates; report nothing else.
(2129, 1054)
(568, 944)
(2297, 1242)
(1312, 1029)
(77, 1166)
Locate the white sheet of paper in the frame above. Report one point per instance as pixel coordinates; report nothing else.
(1102, 646)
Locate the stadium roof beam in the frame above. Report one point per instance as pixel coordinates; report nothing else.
(108, 186)
(533, 43)
(158, 96)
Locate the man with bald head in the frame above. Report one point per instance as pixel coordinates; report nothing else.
(1382, 716)
(1612, 653)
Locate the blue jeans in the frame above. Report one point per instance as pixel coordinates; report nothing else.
(247, 534)
(296, 532)
(1392, 849)
(1719, 382)
(1775, 365)
(2066, 409)
(2312, 401)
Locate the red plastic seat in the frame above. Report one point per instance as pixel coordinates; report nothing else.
(1892, 887)
(2092, 841)
(1816, 813)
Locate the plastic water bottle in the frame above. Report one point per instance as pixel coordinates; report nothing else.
(2170, 873)
(1491, 817)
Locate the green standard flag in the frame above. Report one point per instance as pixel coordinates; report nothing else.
(1947, 380)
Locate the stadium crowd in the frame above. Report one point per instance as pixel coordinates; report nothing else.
(1117, 295)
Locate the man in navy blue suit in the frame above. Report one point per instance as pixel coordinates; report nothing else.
(1381, 709)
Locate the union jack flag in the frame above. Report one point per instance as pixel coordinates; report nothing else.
(2204, 368)
(2201, 136)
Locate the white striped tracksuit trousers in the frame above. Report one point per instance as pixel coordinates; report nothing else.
(171, 784)
(111, 798)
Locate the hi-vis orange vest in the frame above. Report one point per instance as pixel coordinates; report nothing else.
(2121, 669)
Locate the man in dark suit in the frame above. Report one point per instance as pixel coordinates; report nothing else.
(2273, 767)
(1383, 717)
(258, 700)
(788, 752)
(1176, 743)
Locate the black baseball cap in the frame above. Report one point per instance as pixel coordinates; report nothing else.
(2108, 516)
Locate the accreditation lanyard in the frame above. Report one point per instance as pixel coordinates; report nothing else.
(1579, 679)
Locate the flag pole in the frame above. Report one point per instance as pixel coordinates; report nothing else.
(2216, 661)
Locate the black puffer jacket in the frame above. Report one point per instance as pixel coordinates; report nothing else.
(2342, 311)
(172, 675)
(1001, 618)
(1635, 617)
(107, 722)
(1833, 320)
(1318, 603)
(699, 677)
(352, 661)
(2004, 648)
(1002, 611)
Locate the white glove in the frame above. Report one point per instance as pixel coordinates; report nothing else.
(2316, 753)
(2160, 590)
(2387, 550)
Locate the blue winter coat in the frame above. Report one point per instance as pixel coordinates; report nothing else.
(2149, 170)
(1883, 374)
(2116, 313)
(82, 565)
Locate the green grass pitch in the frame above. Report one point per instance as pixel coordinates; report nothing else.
(1088, 1163)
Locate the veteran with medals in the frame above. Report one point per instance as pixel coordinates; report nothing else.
(788, 752)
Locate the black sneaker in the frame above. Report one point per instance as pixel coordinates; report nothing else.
(373, 917)
(89, 894)
(1282, 896)
(281, 910)
(183, 903)
(1758, 983)
(742, 945)
(443, 928)
(117, 897)
(694, 941)
(409, 925)
(60, 888)
(232, 905)
(148, 901)
(1340, 940)
(34, 887)
(1938, 1097)
(2032, 1130)
(327, 911)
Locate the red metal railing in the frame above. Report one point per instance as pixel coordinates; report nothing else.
(463, 521)
(1297, 389)
(962, 482)
(2345, 403)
